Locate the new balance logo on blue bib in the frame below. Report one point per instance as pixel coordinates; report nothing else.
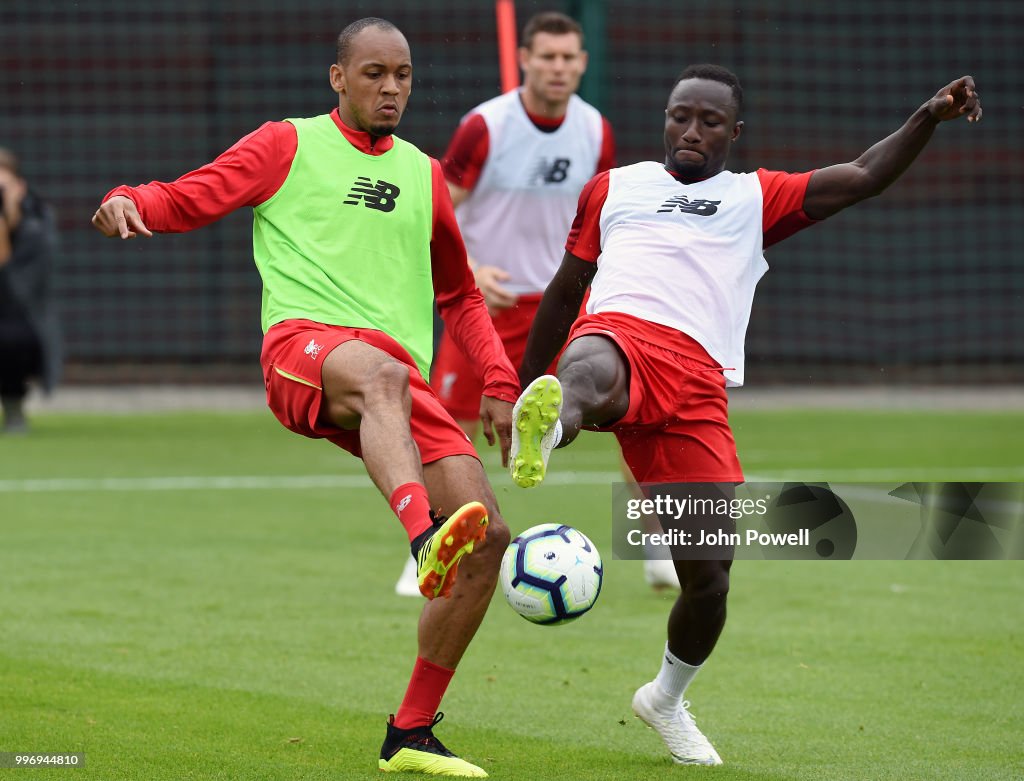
(380, 196)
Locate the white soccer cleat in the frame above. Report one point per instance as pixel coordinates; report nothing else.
(676, 727)
(408, 584)
(660, 574)
(536, 430)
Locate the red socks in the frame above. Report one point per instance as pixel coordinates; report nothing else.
(410, 503)
(429, 681)
(423, 697)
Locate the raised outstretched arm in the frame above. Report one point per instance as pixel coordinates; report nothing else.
(832, 189)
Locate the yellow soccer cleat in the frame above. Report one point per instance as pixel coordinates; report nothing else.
(416, 750)
(438, 555)
(536, 430)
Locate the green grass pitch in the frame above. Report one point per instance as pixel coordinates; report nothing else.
(175, 621)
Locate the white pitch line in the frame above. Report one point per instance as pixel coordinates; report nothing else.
(241, 482)
(564, 478)
(986, 474)
(184, 483)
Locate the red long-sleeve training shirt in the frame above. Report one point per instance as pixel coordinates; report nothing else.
(252, 170)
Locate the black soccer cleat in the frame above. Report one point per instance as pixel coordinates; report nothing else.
(417, 750)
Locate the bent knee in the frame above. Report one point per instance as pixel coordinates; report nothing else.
(498, 536)
(709, 581)
(596, 361)
(387, 380)
(385, 385)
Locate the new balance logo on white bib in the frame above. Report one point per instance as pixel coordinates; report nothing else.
(683, 255)
(531, 178)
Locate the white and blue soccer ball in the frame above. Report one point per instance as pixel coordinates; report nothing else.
(551, 574)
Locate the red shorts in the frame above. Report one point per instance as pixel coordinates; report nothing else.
(453, 377)
(292, 358)
(676, 429)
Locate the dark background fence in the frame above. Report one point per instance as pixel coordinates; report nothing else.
(924, 283)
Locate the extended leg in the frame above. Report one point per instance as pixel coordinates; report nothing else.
(446, 627)
(592, 387)
(366, 388)
(698, 616)
(369, 389)
(595, 384)
(694, 626)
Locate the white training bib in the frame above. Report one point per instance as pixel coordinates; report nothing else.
(524, 202)
(683, 255)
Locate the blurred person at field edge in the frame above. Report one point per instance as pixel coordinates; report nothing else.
(355, 236)
(30, 344)
(672, 252)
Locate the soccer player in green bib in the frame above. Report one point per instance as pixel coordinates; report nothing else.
(354, 235)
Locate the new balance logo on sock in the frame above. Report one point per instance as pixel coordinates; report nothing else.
(403, 504)
(380, 196)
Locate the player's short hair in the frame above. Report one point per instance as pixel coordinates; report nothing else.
(551, 22)
(714, 73)
(346, 36)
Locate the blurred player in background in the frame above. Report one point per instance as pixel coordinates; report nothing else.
(354, 235)
(674, 252)
(515, 167)
(30, 343)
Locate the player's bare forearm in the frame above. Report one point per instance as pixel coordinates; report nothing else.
(555, 316)
(832, 189)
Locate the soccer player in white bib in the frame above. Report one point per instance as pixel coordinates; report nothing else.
(672, 253)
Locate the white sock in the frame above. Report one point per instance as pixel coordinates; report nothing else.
(673, 678)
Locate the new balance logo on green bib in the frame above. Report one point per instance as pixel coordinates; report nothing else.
(379, 196)
(346, 239)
